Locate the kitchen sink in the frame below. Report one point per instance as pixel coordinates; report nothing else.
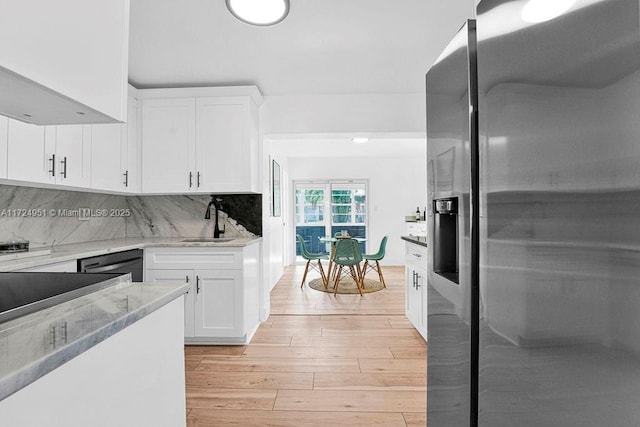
(208, 240)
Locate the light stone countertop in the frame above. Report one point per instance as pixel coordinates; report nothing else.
(76, 251)
(35, 344)
(418, 240)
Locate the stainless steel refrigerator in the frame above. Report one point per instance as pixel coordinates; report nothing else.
(533, 142)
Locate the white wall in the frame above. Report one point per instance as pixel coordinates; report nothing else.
(273, 228)
(343, 113)
(396, 187)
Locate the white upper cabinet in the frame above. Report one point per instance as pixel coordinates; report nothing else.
(206, 140)
(168, 141)
(131, 155)
(107, 145)
(227, 144)
(27, 160)
(65, 61)
(56, 155)
(71, 155)
(4, 149)
(114, 154)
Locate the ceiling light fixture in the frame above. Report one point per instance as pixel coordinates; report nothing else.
(259, 12)
(360, 140)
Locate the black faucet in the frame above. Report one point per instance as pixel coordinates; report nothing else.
(217, 204)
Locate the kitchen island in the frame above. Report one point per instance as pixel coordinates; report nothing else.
(112, 357)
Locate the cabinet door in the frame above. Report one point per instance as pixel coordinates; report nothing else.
(168, 145)
(107, 145)
(421, 281)
(26, 156)
(413, 297)
(177, 276)
(73, 155)
(130, 158)
(223, 158)
(4, 123)
(219, 303)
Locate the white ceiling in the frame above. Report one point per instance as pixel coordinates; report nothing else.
(322, 47)
(341, 145)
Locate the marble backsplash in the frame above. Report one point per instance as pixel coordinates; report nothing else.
(183, 216)
(53, 217)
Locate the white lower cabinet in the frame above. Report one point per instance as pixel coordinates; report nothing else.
(222, 305)
(416, 284)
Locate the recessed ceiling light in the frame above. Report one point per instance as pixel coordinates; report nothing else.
(259, 12)
(360, 140)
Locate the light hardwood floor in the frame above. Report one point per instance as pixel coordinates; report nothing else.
(319, 360)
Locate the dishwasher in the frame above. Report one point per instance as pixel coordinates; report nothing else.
(117, 262)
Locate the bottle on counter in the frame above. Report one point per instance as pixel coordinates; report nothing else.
(418, 213)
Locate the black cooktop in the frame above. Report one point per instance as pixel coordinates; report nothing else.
(22, 293)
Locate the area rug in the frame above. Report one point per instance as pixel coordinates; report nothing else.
(347, 286)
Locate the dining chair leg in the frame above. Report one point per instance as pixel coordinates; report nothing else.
(324, 277)
(361, 275)
(356, 276)
(384, 285)
(364, 269)
(304, 275)
(337, 281)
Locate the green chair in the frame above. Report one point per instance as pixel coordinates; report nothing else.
(311, 257)
(375, 257)
(347, 254)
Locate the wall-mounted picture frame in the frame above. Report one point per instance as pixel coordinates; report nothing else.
(276, 198)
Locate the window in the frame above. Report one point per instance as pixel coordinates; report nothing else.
(309, 206)
(348, 205)
(327, 208)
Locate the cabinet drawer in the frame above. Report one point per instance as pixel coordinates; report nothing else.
(415, 254)
(191, 258)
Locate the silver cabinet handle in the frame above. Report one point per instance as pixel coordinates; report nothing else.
(126, 178)
(417, 281)
(198, 179)
(186, 280)
(63, 162)
(190, 179)
(52, 336)
(197, 284)
(417, 255)
(53, 165)
(63, 331)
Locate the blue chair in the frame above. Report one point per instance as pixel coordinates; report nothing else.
(375, 257)
(347, 254)
(311, 257)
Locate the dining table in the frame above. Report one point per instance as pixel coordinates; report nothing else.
(333, 241)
